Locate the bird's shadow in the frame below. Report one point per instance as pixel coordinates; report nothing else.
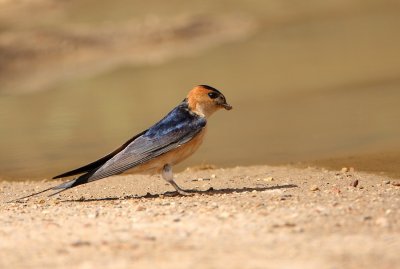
(210, 192)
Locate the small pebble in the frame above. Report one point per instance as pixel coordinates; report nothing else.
(367, 218)
(214, 205)
(383, 222)
(396, 183)
(80, 243)
(314, 188)
(140, 208)
(336, 190)
(93, 215)
(268, 179)
(201, 179)
(344, 170)
(224, 215)
(354, 183)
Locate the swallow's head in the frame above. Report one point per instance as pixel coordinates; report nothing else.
(205, 100)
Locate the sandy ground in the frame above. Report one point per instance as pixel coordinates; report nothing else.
(244, 217)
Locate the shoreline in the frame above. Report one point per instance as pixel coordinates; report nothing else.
(382, 163)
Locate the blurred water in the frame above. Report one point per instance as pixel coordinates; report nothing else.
(305, 86)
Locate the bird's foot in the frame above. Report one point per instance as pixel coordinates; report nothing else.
(184, 193)
(178, 189)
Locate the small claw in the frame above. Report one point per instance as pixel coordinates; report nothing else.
(184, 193)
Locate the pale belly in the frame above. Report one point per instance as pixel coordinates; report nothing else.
(172, 157)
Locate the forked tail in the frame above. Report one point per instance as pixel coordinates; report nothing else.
(62, 187)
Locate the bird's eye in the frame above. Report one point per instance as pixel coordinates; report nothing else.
(213, 95)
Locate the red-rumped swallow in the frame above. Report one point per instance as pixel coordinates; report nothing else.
(168, 142)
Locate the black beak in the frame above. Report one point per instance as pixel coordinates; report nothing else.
(227, 106)
(222, 102)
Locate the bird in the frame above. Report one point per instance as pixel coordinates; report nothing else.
(156, 150)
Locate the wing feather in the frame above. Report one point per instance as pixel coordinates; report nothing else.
(146, 148)
(96, 164)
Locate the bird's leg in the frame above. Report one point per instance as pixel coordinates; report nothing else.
(169, 177)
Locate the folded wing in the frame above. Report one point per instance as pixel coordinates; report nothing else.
(149, 146)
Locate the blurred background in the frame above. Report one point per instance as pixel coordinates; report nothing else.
(311, 82)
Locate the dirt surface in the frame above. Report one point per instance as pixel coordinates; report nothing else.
(244, 217)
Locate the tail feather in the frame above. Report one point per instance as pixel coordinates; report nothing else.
(30, 195)
(62, 187)
(57, 192)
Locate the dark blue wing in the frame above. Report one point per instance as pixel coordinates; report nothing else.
(176, 129)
